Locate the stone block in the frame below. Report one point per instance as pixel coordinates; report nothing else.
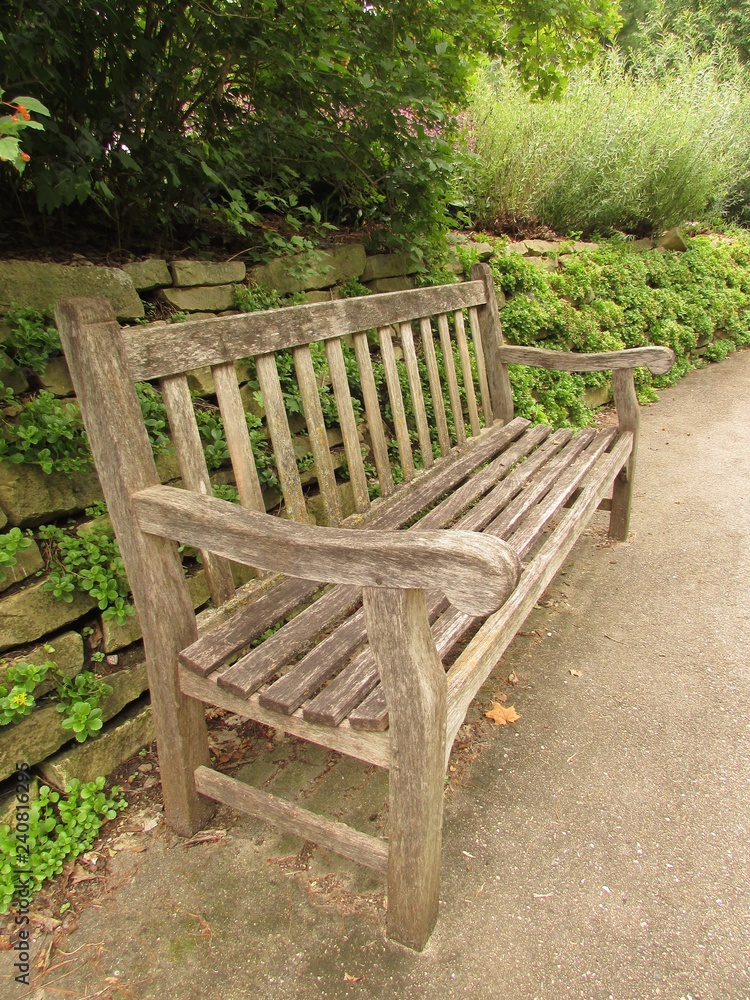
(585, 246)
(328, 296)
(390, 265)
(116, 636)
(67, 655)
(148, 274)
(305, 272)
(28, 561)
(30, 496)
(672, 240)
(597, 396)
(213, 299)
(8, 803)
(28, 614)
(116, 743)
(518, 247)
(56, 378)
(485, 250)
(167, 466)
(189, 273)
(41, 286)
(201, 380)
(644, 244)
(538, 248)
(391, 284)
(15, 379)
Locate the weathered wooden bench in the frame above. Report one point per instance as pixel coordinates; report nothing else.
(377, 664)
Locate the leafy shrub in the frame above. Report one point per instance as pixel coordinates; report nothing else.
(11, 542)
(33, 339)
(51, 830)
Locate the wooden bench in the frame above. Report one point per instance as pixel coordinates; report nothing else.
(398, 628)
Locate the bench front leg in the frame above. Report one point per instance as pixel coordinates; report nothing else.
(626, 402)
(415, 688)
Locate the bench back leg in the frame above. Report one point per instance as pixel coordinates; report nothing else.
(626, 401)
(415, 686)
(112, 416)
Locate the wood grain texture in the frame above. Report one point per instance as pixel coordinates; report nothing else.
(351, 844)
(449, 364)
(488, 316)
(657, 359)
(475, 664)
(417, 395)
(316, 430)
(348, 424)
(466, 371)
(112, 415)
(373, 748)
(626, 401)
(160, 349)
(475, 574)
(436, 388)
(397, 402)
(194, 472)
(374, 418)
(484, 387)
(238, 437)
(415, 685)
(278, 428)
(211, 650)
(245, 676)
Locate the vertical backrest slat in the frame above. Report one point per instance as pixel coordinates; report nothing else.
(281, 438)
(372, 410)
(417, 396)
(194, 472)
(238, 437)
(488, 315)
(468, 375)
(436, 389)
(450, 373)
(348, 424)
(484, 389)
(316, 430)
(397, 402)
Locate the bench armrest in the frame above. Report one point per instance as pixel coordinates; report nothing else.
(658, 360)
(475, 572)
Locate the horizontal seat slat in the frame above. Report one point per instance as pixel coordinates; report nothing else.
(160, 349)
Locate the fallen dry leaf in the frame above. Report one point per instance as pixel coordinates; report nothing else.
(575, 673)
(513, 679)
(501, 715)
(352, 979)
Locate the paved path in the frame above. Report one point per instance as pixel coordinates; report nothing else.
(599, 849)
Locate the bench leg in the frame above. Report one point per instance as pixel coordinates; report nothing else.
(626, 401)
(415, 686)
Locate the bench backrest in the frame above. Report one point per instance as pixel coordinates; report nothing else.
(450, 385)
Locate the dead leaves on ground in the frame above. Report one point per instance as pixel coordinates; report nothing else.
(502, 715)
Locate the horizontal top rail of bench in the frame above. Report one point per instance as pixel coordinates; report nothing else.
(161, 349)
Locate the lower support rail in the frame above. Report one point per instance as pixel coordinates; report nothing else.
(360, 847)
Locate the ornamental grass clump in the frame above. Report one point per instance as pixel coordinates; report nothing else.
(634, 146)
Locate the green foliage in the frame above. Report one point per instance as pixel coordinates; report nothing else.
(47, 432)
(13, 124)
(12, 542)
(18, 700)
(79, 700)
(265, 118)
(33, 338)
(53, 829)
(618, 297)
(89, 562)
(253, 298)
(352, 288)
(631, 146)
